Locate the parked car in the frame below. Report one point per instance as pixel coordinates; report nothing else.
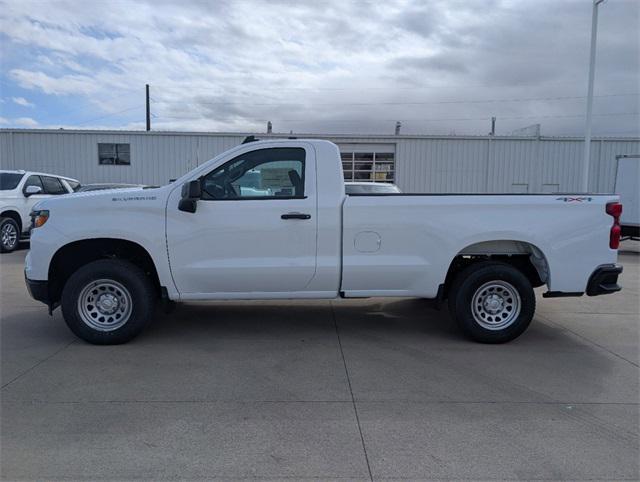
(102, 187)
(19, 191)
(370, 188)
(107, 258)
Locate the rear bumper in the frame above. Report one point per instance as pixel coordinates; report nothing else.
(39, 290)
(604, 280)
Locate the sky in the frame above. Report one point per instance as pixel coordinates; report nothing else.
(334, 67)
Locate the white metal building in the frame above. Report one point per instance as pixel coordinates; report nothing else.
(416, 163)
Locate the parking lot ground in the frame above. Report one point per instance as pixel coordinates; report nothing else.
(348, 389)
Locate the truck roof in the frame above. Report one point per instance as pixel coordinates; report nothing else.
(256, 141)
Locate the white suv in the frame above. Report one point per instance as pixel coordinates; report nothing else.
(19, 191)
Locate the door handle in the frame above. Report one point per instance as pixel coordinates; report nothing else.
(296, 216)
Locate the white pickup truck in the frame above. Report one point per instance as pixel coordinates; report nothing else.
(270, 220)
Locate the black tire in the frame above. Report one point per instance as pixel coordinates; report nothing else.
(130, 284)
(7, 242)
(497, 280)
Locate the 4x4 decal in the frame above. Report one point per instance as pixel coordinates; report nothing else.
(578, 199)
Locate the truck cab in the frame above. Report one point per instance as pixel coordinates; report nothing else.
(263, 211)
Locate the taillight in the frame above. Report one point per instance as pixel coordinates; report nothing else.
(615, 210)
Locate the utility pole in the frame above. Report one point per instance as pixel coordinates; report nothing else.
(592, 62)
(148, 108)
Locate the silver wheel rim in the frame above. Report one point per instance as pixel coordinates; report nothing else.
(9, 235)
(104, 305)
(496, 305)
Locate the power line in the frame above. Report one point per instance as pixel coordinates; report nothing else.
(85, 107)
(358, 87)
(443, 102)
(109, 115)
(461, 119)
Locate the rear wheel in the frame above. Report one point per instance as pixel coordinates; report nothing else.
(108, 302)
(9, 235)
(492, 302)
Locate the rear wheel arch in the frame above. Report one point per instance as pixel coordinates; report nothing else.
(71, 257)
(523, 255)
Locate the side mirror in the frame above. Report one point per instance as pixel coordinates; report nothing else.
(191, 192)
(31, 190)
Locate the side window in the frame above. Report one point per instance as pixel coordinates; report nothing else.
(33, 181)
(52, 185)
(264, 173)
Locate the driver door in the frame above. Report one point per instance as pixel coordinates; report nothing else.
(254, 230)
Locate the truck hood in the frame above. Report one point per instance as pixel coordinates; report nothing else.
(104, 199)
(104, 191)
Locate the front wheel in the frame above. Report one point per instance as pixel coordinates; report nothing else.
(108, 302)
(492, 302)
(9, 235)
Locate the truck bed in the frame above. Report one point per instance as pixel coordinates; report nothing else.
(409, 240)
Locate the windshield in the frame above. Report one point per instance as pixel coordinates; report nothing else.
(9, 180)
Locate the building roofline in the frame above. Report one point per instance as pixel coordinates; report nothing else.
(262, 135)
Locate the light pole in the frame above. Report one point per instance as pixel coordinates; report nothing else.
(592, 62)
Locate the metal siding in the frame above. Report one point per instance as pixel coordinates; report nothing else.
(423, 164)
(6, 150)
(154, 159)
(513, 165)
(500, 165)
(440, 165)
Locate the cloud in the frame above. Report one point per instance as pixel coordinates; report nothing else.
(26, 122)
(328, 66)
(63, 85)
(433, 63)
(22, 101)
(4, 120)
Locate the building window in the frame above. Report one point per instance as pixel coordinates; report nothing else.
(368, 166)
(110, 154)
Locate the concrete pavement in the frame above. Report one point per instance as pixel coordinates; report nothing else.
(356, 390)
